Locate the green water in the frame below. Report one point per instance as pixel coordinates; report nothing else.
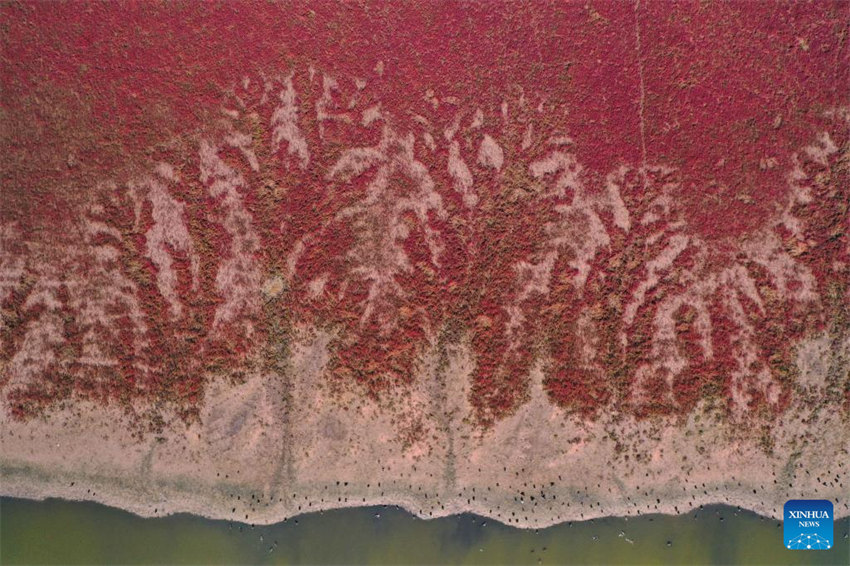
(62, 532)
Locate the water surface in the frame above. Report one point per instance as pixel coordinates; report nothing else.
(63, 532)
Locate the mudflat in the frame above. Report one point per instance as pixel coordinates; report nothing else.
(263, 453)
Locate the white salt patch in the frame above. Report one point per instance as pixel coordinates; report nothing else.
(294, 256)
(822, 149)
(37, 352)
(565, 165)
(273, 286)
(355, 161)
(243, 143)
(534, 278)
(12, 266)
(461, 174)
(285, 126)
(237, 278)
(371, 114)
(166, 171)
(615, 200)
(429, 142)
(527, 136)
(325, 104)
(490, 154)
(816, 355)
(516, 318)
(449, 133)
(379, 255)
(44, 294)
(738, 278)
(662, 262)
(422, 120)
(317, 286)
(477, 120)
(785, 272)
(168, 231)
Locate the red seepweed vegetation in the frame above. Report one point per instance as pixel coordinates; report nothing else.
(371, 233)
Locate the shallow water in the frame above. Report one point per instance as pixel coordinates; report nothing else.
(63, 532)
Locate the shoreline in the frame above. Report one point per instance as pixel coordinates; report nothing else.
(281, 513)
(259, 456)
(248, 503)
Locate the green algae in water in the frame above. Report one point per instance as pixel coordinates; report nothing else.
(65, 532)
